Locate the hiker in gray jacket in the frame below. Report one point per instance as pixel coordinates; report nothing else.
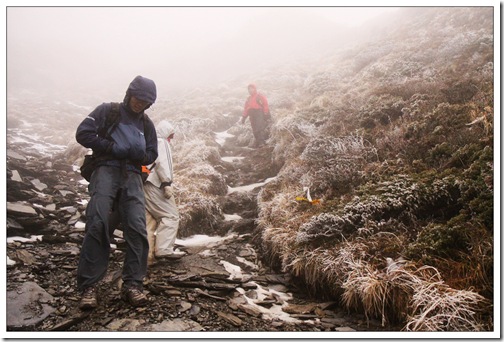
(161, 208)
(117, 179)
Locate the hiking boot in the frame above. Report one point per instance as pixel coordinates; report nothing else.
(134, 296)
(176, 254)
(151, 261)
(89, 298)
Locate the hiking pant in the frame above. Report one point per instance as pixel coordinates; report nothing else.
(106, 182)
(162, 221)
(258, 123)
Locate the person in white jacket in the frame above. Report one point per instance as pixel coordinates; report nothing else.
(161, 210)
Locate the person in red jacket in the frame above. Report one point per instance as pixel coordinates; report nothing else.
(257, 109)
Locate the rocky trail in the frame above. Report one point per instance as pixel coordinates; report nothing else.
(222, 284)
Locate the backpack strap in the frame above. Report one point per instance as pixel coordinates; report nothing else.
(145, 118)
(111, 121)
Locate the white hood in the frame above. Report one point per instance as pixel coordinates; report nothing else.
(164, 129)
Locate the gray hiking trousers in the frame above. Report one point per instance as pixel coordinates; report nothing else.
(258, 124)
(105, 185)
(162, 221)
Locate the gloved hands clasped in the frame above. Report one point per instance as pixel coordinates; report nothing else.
(119, 151)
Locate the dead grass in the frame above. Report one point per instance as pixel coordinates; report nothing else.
(437, 307)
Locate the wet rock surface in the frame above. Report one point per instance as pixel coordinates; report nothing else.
(220, 285)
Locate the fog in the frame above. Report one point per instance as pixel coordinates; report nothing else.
(62, 50)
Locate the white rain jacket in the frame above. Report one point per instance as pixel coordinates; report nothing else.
(163, 170)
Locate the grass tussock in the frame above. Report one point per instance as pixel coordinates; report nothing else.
(436, 307)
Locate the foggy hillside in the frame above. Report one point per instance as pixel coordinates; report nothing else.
(392, 130)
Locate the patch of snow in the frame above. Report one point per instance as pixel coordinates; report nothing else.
(220, 137)
(235, 271)
(232, 159)
(207, 253)
(80, 225)
(233, 217)
(35, 142)
(250, 187)
(203, 240)
(83, 182)
(275, 311)
(10, 262)
(32, 238)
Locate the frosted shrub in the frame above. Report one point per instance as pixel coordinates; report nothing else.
(192, 152)
(335, 162)
(401, 199)
(289, 135)
(324, 226)
(209, 180)
(382, 110)
(393, 142)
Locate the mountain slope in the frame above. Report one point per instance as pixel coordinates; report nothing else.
(397, 142)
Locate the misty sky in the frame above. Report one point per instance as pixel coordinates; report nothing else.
(85, 48)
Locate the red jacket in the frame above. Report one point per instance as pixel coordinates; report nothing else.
(256, 101)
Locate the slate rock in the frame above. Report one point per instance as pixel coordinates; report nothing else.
(230, 318)
(176, 324)
(27, 306)
(25, 257)
(125, 324)
(38, 184)
(16, 177)
(15, 155)
(345, 329)
(20, 209)
(14, 228)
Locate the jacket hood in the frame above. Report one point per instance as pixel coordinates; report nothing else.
(164, 129)
(143, 89)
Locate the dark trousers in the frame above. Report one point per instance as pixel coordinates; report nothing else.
(105, 185)
(258, 124)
